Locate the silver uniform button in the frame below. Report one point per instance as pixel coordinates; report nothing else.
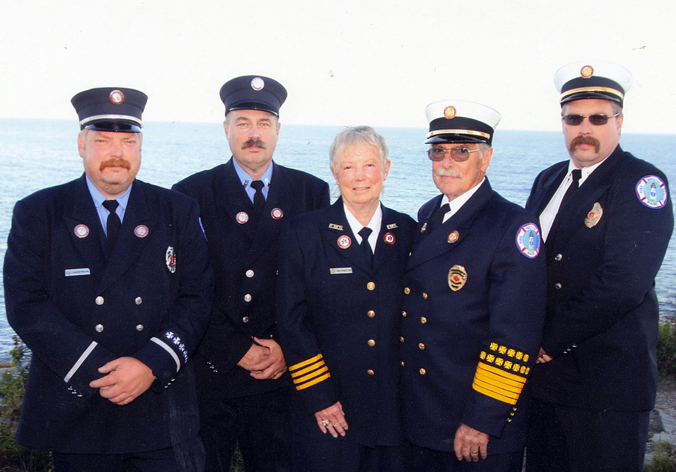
(245, 319)
(99, 300)
(558, 257)
(247, 298)
(99, 328)
(138, 300)
(139, 327)
(557, 286)
(249, 273)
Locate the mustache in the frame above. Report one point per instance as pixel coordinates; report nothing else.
(584, 140)
(254, 142)
(441, 172)
(115, 163)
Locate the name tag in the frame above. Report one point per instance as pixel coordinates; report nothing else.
(340, 270)
(76, 272)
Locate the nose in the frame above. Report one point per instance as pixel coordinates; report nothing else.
(254, 132)
(116, 148)
(359, 173)
(585, 126)
(447, 161)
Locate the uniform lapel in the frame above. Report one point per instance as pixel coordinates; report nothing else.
(572, 215)
(84, 227)
(129, 245)
(387, 238)
(269, 225)
(450, 234)
(336, 228)
(548, 189)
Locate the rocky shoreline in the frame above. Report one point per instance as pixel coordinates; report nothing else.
(663, 418)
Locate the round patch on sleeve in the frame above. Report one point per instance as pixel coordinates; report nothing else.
(651, 191)
(528, 240)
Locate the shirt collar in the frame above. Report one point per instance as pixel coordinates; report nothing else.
(246, 179)
(356, 226)
(457, 203)
(99, 198)
(586, 171)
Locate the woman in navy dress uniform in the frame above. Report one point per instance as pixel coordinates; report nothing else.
(338, 314)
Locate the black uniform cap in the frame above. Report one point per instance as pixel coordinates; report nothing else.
(253, 92)
(110, 109)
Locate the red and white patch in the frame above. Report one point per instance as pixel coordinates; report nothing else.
(277, 213)
(141, 231)
(344, 241)
(242, 217)
(116, 97)
(389, 238)
(81, 231)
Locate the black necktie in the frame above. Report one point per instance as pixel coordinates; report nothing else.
(259, 198)
(113, 224)
(438, 218)
(365, 233)
(577, 173)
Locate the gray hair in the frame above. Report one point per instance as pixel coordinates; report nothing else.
(349, 137)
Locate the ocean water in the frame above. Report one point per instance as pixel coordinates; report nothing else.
(36, 153)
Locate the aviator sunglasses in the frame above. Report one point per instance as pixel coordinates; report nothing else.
(596, 120)
(458, 154)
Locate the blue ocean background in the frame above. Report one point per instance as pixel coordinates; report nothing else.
(35, 154)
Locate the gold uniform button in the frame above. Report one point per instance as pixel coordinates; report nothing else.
(424, 295)
(99, 300)
(99, 328)
(401, 338)
(247, 298)
(139, 327)
(370, 372)
(421, 346)
(371, 286)
(402, 363)
(407, 290)
(138, 300)
(371, 313)
(423, 371)
(403, 313)
(423, 320)
(371, 342)
(249, 273)
(509, 420)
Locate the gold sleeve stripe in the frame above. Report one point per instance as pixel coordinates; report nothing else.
(315, 381)
(304, 363)
(498, 383)
(298, 373)
(494, 370)
(498, 396)
(310, 376)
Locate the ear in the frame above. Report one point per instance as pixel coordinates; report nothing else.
(81, 145)
(279, 126)
(225, 127)
(387, 169)
(620, 120)
(486, 161)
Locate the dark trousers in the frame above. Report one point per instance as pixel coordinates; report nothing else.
(569, 439)
(185, 457)
(421, 459)
(258, 423)
(337, 455)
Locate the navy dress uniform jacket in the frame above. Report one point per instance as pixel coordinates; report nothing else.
(245, 264)
(77, 310)
(339, 322)
(468, 350)
(603, 254)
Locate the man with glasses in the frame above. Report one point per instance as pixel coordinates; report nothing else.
(473, 306)
(606, 222)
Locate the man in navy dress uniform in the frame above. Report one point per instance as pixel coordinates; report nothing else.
(606, 220)
(108, 282)
(243, 393)
(473, 306)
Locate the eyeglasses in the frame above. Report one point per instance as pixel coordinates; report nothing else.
(596, 120)
(458, 154)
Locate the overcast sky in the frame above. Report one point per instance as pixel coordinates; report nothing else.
(343, 62)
